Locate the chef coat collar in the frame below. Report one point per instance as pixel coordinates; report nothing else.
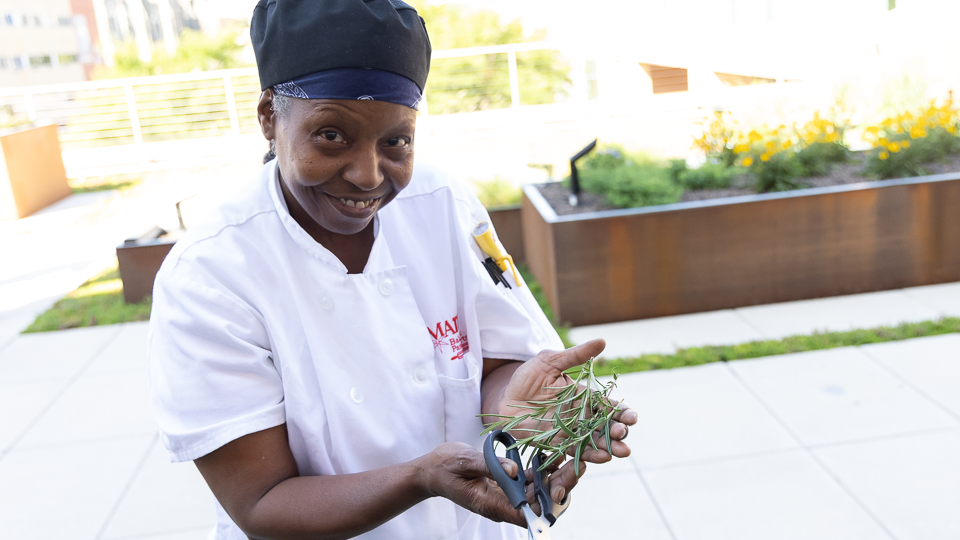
(379, 260)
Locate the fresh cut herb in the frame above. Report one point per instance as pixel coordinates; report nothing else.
(565, 424)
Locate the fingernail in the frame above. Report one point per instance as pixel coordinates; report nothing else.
(560, 493)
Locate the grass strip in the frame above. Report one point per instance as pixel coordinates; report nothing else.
(696, 356)
(98, 301)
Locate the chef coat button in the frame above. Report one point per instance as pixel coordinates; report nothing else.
(420, 375)
(356, 395)
(386, 287)
(326, 303)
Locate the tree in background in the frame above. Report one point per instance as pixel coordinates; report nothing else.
(482, 82)
(196, 51)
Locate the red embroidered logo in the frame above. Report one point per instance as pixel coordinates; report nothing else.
(447, 334)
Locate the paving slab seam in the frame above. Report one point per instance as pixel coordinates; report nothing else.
(813, 456)
(909, 384)
(909, 294)
(653, 500)
(76, 376)
(109, 438)
(749, 323)
(878, 438)
(721, 459)
(126, 488)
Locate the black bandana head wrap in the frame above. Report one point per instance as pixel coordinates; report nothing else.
(341, 49)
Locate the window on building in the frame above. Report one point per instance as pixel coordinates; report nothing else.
(666, 79)
(592, 86)
(67, 58)
(8, 18)
(37, 21)
(18, 62)
(40, 60)
(3, 63)
(25, 20)
(64, 21)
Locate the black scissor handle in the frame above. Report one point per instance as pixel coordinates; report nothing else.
(515, 488)
(541, 487)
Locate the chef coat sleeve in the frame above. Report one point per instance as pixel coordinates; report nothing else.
(512, 325)
(212, 377)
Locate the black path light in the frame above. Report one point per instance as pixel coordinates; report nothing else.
(574, 178)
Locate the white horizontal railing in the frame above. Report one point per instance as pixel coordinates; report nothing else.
(157, 108)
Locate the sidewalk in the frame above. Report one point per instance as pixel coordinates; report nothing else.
(774, 321)
(845, 444)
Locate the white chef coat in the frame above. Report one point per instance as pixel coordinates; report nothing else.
(255, 324)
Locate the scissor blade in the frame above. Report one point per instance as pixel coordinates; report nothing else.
(538, 528)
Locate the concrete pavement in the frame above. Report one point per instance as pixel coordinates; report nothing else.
(665, 335)
(851, 443)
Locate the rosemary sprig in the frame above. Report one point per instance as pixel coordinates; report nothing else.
(568, 420)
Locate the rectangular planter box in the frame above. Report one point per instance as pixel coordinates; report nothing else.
(31, 171)
(508, 223)
(699, 256)
(139, 261)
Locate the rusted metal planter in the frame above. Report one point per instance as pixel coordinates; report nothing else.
(508, 223)
(699, 256)
(31, 171)
(139, 260)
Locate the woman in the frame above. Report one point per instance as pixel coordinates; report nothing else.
(322, 348)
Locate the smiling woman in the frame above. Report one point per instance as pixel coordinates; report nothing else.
(322, 348)
(339, 163)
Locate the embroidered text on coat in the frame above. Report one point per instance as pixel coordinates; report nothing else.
(447, 334)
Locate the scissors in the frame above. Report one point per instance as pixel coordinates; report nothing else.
(538, 527)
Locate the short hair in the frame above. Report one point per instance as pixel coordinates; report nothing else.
(280, 107)
(281, 104)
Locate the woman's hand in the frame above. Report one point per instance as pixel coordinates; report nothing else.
(458, 472)
(546, 370)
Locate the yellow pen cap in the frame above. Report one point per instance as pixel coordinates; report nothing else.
(483, 234)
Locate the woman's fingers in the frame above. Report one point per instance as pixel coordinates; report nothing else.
(626, 415)
(564, 480)
(601, 454)
(575, 356)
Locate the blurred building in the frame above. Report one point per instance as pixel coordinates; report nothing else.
(55, 41)
(40, 42)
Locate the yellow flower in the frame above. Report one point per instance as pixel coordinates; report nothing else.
(894, 147)
(765, 157)
(741, 148)
(905, 144)
(747, 162)
(770, 145)
(883, 155)
(754, 136)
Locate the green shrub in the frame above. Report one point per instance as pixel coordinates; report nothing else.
(707, 176)
(904, 143)
(497, 193)
(605, 157)
(911, 155)
(818, 158)
(778, 173)
(196, 51)
(633, 185)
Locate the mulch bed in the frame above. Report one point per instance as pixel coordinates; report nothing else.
(846, 173)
